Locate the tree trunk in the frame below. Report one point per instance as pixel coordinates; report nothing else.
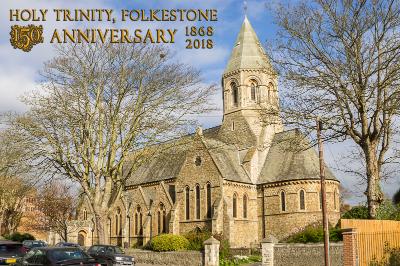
(101, 227)
(374, 193)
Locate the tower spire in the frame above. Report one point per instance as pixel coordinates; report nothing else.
(248, 52)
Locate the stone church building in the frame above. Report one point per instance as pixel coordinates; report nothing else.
(244, 179)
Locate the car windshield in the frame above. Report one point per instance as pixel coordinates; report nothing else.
(36, 244)
(68, 254)
(10, 249)
(119, 250)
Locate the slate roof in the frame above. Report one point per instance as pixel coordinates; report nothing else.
(288, 159)
(166, 165)
(226, 157)
(247, 52)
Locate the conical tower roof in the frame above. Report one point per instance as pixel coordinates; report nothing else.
(248, 52)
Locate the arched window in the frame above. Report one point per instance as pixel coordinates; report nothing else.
(138, 221)
(302, 200)
(118, 222)
(187, 203)
(208, 195)
(334, 200)
(253, 89)
(197, 201)
(271, 93)
(234, 205)
(235, 94)
(84, 214)
(159, 222)
(161, 219)
(283, 201)
(245, 206)
(136, 224)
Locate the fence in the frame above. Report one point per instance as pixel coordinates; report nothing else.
(372, 245)
(372, 237)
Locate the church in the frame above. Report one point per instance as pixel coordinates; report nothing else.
(245, 179)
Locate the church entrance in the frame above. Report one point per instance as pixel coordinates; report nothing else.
(82, 238)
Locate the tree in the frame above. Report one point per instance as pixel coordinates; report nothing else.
(58, 206)
(340, 61)
(102, 105)
(15, 182)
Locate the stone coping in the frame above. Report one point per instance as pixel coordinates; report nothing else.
(334, 244)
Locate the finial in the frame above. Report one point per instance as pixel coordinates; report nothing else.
(245, 8)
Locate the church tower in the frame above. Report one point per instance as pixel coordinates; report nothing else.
(250, 98)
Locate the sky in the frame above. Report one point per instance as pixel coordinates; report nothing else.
(19, 71)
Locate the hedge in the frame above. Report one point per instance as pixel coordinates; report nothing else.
(169, 242)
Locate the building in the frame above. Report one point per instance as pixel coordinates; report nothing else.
(245, 179)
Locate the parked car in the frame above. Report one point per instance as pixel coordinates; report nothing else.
(110, 255)
(67, 244)
(57, 256)
(10, 251)
(29, 244)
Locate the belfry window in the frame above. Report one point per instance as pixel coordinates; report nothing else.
(253, 89)
(283, 201)
(302, 200)
(235, 94)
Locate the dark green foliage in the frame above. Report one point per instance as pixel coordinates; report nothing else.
(396, 197)
(388, 210)
(19, 237)
(196, 238)
(391, 258)
(315, 234)
(236, 261)
(169, 242)
(357, 212)
(224, 247)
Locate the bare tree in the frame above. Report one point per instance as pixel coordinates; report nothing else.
(15, 181)
(57, 205)
(340, 61)
(102, 105)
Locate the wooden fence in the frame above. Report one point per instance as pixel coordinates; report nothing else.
(373, 236)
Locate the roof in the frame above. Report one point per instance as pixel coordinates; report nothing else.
(226, 157)
(167, 164)
(290, 158)
(247, 52)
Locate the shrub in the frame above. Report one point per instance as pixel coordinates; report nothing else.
(357, 212)
(169, 242)
(312, 234)
(224, 247)
(19, 237)
(196, 239)
(391, 257)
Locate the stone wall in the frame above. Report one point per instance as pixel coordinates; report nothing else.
(194, 258)
(241, 226)
(306, 254)
(282, 224)
(194, 174)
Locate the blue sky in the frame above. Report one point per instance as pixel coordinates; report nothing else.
(19, 70)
